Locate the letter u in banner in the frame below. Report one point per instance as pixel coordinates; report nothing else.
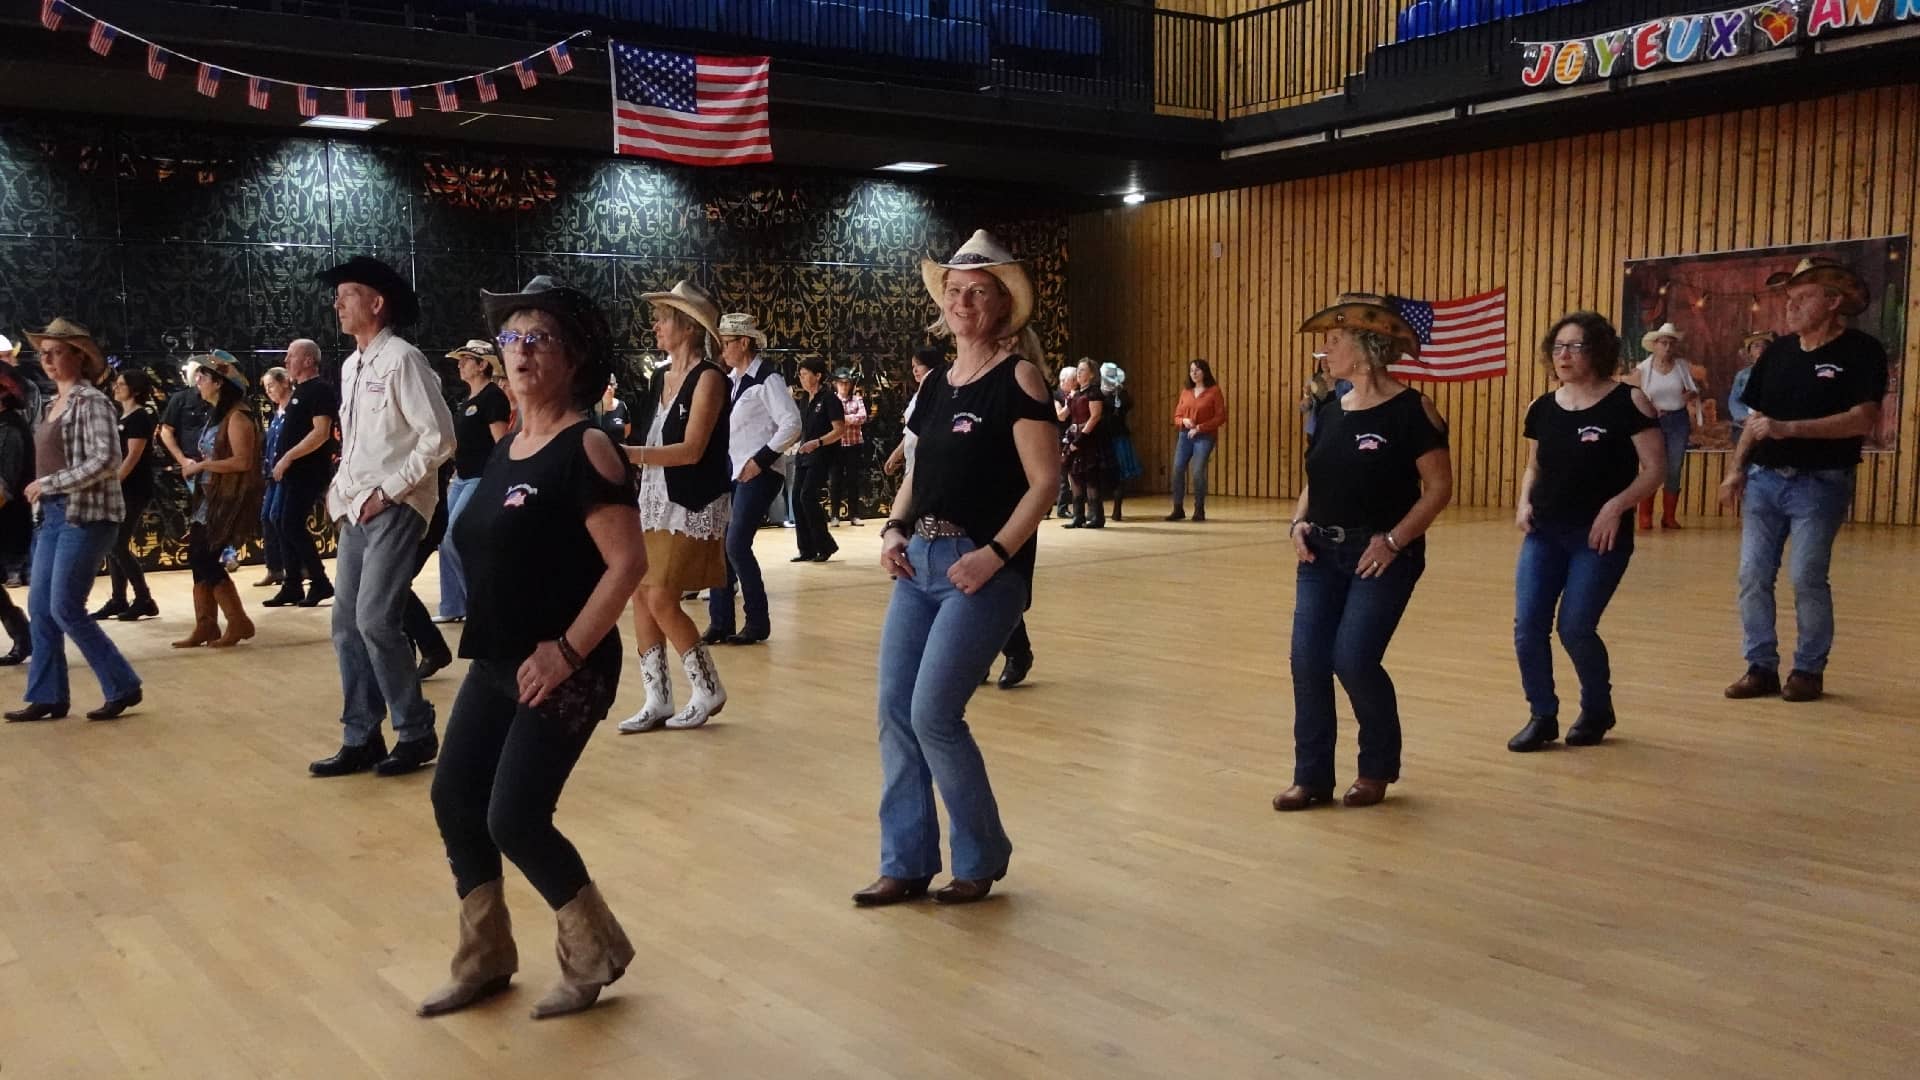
(1683, 37)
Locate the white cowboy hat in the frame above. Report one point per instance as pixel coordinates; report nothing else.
(741, 324)
(983, 252)
(6, 345)
(1666, 330)
(689, 298)
(486, 352)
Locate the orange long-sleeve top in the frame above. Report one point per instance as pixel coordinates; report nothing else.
(1205, 405)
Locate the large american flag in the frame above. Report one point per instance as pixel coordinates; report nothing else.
(696, 110)
(1459, 339)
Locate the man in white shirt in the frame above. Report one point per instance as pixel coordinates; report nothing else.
(395, 432)
(765, 420)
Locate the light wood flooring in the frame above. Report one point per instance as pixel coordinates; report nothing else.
(1723, 890)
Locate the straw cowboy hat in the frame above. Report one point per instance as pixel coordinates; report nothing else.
(1833, 275)
(483, 351)
(1666, 330)
(741, 324)
(78, 336)
(403, 304)
(1365, 311)
(1767, 336)
(983, 252)
(691, 300)
(222, 363)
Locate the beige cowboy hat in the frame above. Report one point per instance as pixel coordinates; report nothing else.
(690, 299)
(222, 363)
(741, 324)
(1665, 330)
(1767, 336)
(983, 252)
(1365, 311)
(74, 334)
(1818, 271)
(482, 350)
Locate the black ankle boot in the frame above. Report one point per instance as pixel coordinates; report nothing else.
(1540, 731)
(1589, 730)
(17, 629)
(109, 610)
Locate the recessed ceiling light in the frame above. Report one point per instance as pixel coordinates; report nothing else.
(343, 123)
(1134, 198)
(911, 166)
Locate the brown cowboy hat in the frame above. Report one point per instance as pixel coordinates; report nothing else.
(691, 300)
(1767, 336)
(983, 252)
(64, 329)
(1836, 276)
(1364, 311)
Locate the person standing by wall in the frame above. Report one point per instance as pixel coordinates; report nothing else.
(1199, 416)
(301, 469)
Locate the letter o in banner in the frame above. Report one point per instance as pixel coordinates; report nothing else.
(1572, 63)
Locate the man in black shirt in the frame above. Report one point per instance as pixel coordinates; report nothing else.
(1814, 396)
(184, 418)
(302, 471)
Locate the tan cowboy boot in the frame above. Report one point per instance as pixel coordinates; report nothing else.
(239, 627)
(206, 623)
(485, 960)
(593, 952)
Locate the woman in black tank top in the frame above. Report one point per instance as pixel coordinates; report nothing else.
(960, 551)
(1378, 473)
(551, 547)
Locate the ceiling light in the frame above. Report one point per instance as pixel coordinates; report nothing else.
(911, 166)
(1134, 198)
(343, 123)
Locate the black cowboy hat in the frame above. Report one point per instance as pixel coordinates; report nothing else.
(403, 305)
(579, 317)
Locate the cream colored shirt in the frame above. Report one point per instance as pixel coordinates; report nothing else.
(395, 429)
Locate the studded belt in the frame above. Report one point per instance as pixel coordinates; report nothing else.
(933, 528)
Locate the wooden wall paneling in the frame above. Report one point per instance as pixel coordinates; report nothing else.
(1901, 135)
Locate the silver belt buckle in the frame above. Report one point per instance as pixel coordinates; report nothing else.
(1334, 533)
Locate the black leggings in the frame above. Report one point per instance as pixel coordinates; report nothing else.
(849, 480)
(503, 767)
(203, 559)
(124, 568)
(1018, 643)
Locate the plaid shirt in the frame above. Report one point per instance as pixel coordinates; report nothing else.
(90, 432)
(855, 408)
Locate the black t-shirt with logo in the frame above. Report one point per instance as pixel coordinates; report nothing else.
(312, 400)
(138, 424)
(1789, 383)
(473, 424)
(1585, 456)
(1360, 464)
(817, 416)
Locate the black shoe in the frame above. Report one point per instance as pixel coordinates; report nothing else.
(752, 635)
(408, 755)
(715, 635)
(1177, 515)
(115, 706)
(318, 593)
(109, 610)
(1014, 672)
(22, 649)
(1116, 516)
(825, 555)
(1076, 523)
(801, 558)
(141, 609)
(1540, 731)
(1199, 515)
(352, 759)
(432, 660)
(1097, 523)
(291, 594)
(1589, 730)
(38, 712)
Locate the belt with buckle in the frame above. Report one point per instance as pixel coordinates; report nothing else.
(1341, 534)
(933, 528)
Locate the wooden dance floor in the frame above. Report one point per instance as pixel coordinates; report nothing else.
(1722, 890)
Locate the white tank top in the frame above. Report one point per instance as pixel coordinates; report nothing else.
(1667, 392)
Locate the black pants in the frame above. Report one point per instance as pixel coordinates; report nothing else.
(121, 565)
(503, 767)
(849, 480)
(809, 517)
(203, 558)
(414, 616)
(1018, 643)
(292, 506)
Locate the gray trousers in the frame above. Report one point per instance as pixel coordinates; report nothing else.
(372, 581)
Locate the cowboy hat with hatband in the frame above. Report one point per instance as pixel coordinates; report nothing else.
(222, 363)
(76, 335)
(1832, 275)
(1364, 311)
(483, 352)
(1767, 336)
(983, 252)
(1666, 330)
(403, 304)
(580, 319)
(692, 301)
(741, 324)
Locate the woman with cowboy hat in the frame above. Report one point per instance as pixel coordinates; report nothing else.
(79, 506)
(551, 548)
(850, 457)
(1378, 473)
(1751, 347)
(1119, 406)
(686, 496)
(960, 550)
(227, 485)
(1668, 382)
(479, 423)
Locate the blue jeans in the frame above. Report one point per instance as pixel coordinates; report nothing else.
(1557, 566)
(66, 558)
(751, 499)
(1194, 449)
(1809, 506)
(1342, 624)
(1675, 427)
(453, 579)
(935, 646)
(373, 579)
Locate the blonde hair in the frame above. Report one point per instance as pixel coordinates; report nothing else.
(1026, 342)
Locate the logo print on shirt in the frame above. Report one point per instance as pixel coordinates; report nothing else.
(964, 423)
(472, 410)
(1827, 371)
(518, 493)
(1369, 441)
(1592, 433)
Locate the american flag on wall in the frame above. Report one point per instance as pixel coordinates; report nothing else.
(1459, 339)
(696, 110)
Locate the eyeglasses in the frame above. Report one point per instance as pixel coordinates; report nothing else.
(1573, 347)
(534, 340)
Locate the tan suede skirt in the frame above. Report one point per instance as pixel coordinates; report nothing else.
(681, 562)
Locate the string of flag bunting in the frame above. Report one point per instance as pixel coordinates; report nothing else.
(103, 35)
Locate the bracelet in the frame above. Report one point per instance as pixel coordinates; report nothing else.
(1392, 543)
(895, 523)
(996, 547)
(568, 654)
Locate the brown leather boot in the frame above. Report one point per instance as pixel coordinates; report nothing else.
(485, 960)
(892, 890)
(593, 951)
(1645, 518)
(239, 627)
(1669, 508)
(1299, 797)
(206, 622)
(1757, 682)
(1803, 686)
(1365, 792)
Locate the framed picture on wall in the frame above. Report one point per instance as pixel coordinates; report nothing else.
(1717, 299)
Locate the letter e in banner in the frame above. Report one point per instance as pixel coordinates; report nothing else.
(1649, 40)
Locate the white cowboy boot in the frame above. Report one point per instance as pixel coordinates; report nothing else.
(709, 697)
(659, 706)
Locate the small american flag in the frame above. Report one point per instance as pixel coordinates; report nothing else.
(488, 91)
(50, 12)
(402, 102)
(356, 104)
(309, 99)
(696, 110)
(524, 72)
(562, 59)
(157, 61)
(257, 92)
(1459, 339)
(449, 97)
(101, 40)
(209, 81)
